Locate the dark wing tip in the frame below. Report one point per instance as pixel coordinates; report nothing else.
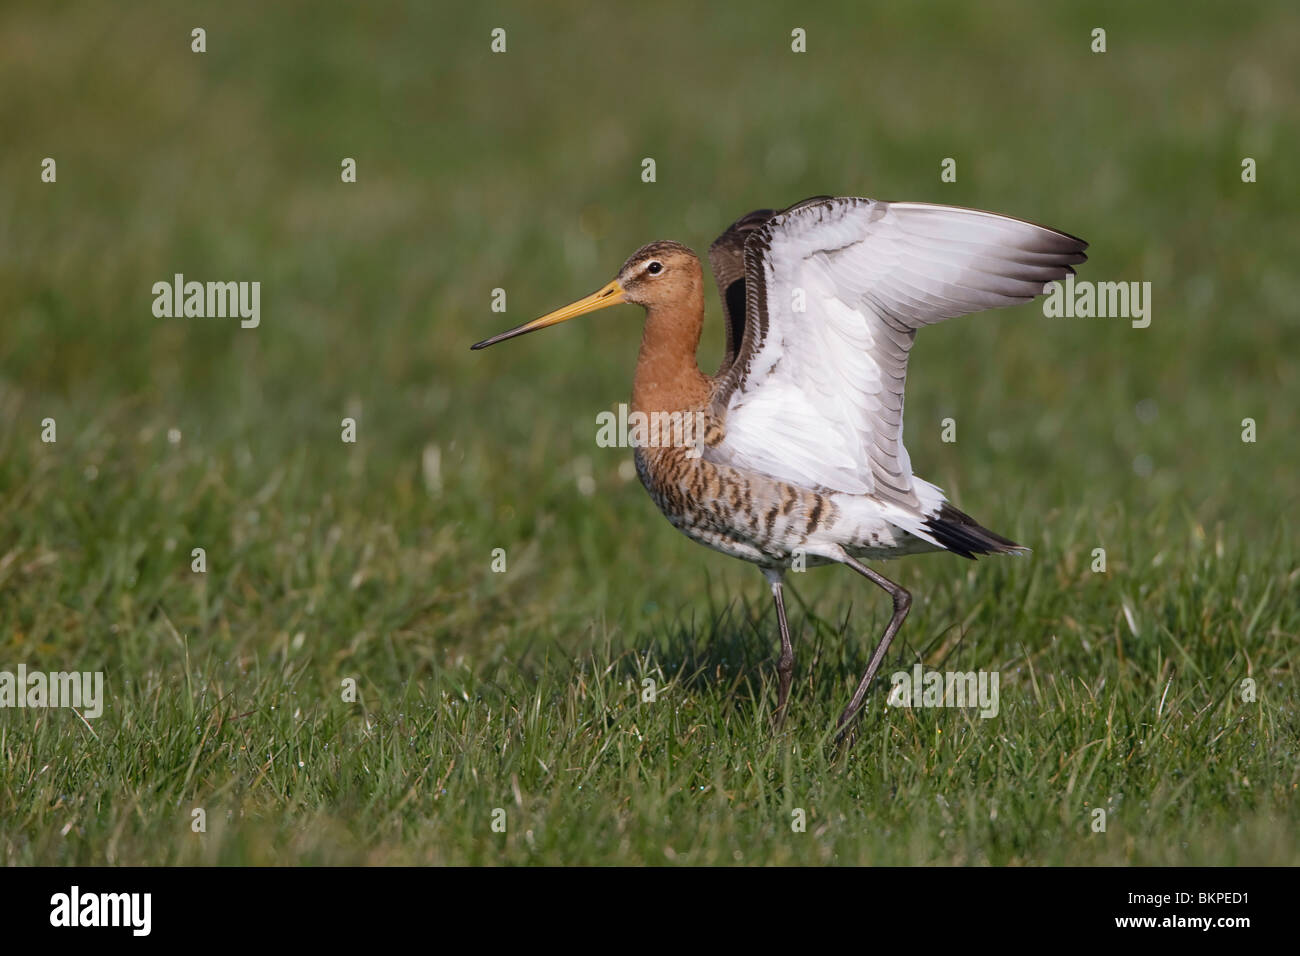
(1069, 248)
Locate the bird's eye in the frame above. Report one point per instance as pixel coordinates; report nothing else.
(655, 267)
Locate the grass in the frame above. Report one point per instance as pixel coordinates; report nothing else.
(522, 691)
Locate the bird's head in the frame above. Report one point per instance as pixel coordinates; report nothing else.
(658, 274)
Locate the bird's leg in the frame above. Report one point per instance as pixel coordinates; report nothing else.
(785, 665)
(902, 602)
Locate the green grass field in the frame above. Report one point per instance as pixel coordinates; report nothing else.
(521, 691)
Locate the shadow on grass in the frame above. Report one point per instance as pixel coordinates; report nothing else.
(732, 648)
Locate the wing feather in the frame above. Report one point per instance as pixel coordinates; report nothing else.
(727, 258)
(815, 395)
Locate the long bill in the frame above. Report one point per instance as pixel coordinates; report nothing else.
(611, 294)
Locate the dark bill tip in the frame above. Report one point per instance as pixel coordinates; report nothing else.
(522, 330)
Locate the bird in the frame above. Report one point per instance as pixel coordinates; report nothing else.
(796, 457)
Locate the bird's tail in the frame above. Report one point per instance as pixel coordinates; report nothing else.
(961, 534)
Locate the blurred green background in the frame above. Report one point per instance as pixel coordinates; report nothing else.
(522, 171)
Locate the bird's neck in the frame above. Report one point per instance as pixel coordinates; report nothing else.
(667, 375)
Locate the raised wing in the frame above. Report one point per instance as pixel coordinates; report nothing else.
(727, 257)
(835, 290)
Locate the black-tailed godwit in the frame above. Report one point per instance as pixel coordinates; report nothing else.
(799, 457)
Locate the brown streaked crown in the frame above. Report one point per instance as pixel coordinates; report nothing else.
(660, 273)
